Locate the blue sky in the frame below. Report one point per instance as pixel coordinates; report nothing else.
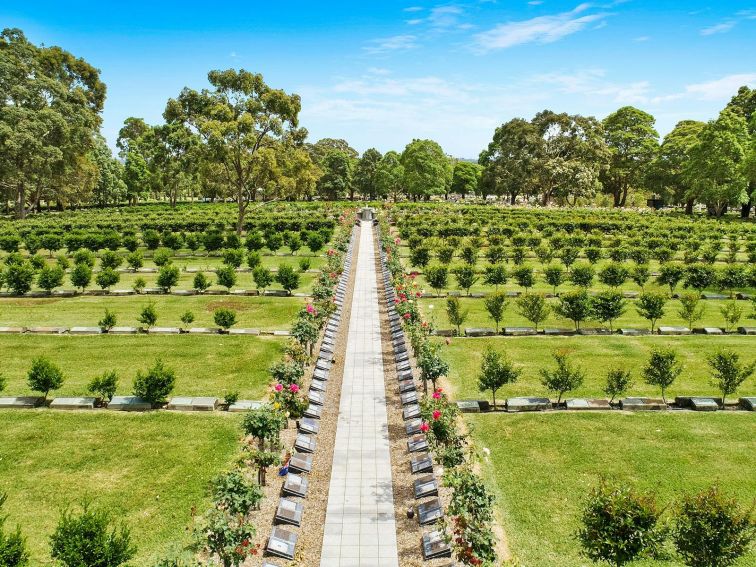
(381, 73)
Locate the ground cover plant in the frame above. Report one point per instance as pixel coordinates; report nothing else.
(204, 365)
(150, 470)
(541, 506)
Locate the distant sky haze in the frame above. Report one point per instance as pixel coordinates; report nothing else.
(381, 73)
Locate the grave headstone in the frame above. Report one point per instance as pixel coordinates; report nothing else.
(421, 464)
(747, 330)
(73, 403)
(551, 332)
(480, 332)
(309, 425)
(408, 398)
(305, 443)
(643, 404)
(47, 330)
(185, 403)
(123, 331)
(315, 397)
(748, 403)
(704, 404)
(85, 331)
(665, 330)
(289, 512)
(128, 403)
(282, 543)
(425, 486)
(300, 463)
(318, 385)
(587, 404)
(411, 412)
(295, 485)
(430, 512)
(412, 426)
(594, 331)
(435, 546)
(12, 330)
(469, 406)
(519, 331)
(717, 296)
(21, 402)
(417, 443)
(313, 411)
(528, 404)
(244, 405)
(634, 332)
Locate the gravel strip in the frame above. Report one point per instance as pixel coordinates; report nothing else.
(310, 534)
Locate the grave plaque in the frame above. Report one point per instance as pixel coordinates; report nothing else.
(594, 331)
(12, 330)
(748, 404)
(85, 330)
(318, 385)
(469, 406)
(295, 485)
(444, 332)
(747, 330)
(704, 404)
(643, 404)
(21, 402)
(712, 331)
(305, 443)
(425, 486)
(129, 403)
(405, 375)
(585, 404)
(519, 331)
(417, 443)
(203, 331)
(421, 464)
(192, 404)
(406, 386)
(323, 365)
(674, 331)
(559, 332)
(308, 425)
(163, 330)
(412, 426)
(480, 332)
(313, 411)
(409, 398)
(634, 332)
(315, 397)
(300, 463)
(244, 405)
(402, 357)
(289, 512)
(528, 404)
(411, 412)
(435, 546)
(718, 296)
(123, 331)
(430, 512)
(73, 403)
(47, 330)
(282, 543)
(403, 366)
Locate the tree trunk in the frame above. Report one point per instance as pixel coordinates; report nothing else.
(624, 196)
(21, 201)
(689, 207)
(745, 209)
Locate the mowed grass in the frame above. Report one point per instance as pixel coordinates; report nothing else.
(434, 309)
(265, 313)
(542, 467)
(596, 355)
(149, 470)
(204, 365)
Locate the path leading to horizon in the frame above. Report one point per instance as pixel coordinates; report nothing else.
(360, 528)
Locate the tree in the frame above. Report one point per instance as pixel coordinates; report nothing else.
(437, 277)
(495, 275)
(156, 384)
(237, 120)
(104, 386)
(187, 318)
(148, 316)
(633, 143)
(224, 318)
(608, 306)
(431, 365)
(108, 321)
(107, 278)
(201, 282)
(662, 369)
(524, 277)
(496, 371)
(263, 278)
(564, 378)
(457, 316)
(582, 275)
(576, 306)
(729, 278)
(534, 308)
(226, 276)
(90, 539)
(619, 525)
(336, 181)
(691, 308)
(465, 177)
(419, 256)
(698, 276)
(715, 171)
(731, 313)
(52, 102)
(554, 276)
(728, 373)
(50, 277)
(617, 383)
(712, 531)
(427, 170)
(651, 306)
(44, 376)
(287, 277)
(496, 304)
(168, 277)
(389, 176)
(614, 275)
(81, 276)
(744, 104)
(466, 277)
(13, 551)
(365, 175)
(19, 277)
(640, 274)
(670, 275)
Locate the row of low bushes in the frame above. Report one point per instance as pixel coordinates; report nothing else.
(469, 517)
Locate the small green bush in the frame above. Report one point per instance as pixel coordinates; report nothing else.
(156, 384)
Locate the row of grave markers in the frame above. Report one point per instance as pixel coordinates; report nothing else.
(84, 331)
(282, 541)
(593, 331)
(425, 486)
(65, 293)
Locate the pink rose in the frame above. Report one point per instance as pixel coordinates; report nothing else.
(294, 388)
(436, 395)
(436, 415)
(397, 241)
(407, 315)
(278, 387)
(424, 427)
(310, 308)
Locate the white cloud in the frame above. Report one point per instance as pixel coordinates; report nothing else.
(718, 28)
(592, 83)
(542, 29)
(392, 43)
(642, 38)
(414, 21)
(444, 16)
(535, 2)
(720, 89)
(413, 9)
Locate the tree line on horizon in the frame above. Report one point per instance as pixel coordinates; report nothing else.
(240, 140)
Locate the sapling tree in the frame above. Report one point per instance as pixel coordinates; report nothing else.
(728, 373)
(619, 525)
(651, 306)
(50, 277)
(44, 376)
(110, 259)
(730, 278)
(670, 275)
(698, 276)
(108, 321)
(135, 260)
(554, 276)
(608, 306)
(263, 278)
(19, 277)
(104, 386)
(224, 318)
(496, 371)
(139, 285)
(149, 315)
(254, 259)
(432, 366)
(226, 276)
(437, 277)
(455, 313)
(156, 384)
(524, 277)
(168, 277)
(581, 275)
(495, 275)
(576, 306)
(233, 257)
(618, 382)
(419, 257)
(691, 308)
(564, 378)
(107, 278)
(445, 254)
(731, 313)
(466, 277)
(534, 308)
(469, 255)
(187, 318)
(287, 277)
(614, 275)
(201, 282)
(13, 549)
(662, 369)
(640, 275)
(495, 305)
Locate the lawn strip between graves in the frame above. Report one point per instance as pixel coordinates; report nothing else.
(408, 530)
(310, 534)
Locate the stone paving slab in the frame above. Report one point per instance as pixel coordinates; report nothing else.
(360, 526)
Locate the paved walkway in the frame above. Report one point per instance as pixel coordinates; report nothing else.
(360, 530)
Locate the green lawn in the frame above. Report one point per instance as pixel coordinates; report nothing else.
(434, 310)
(542, 466)
(149, 470)
(266, 313)
(204, 365)
(596, 355)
